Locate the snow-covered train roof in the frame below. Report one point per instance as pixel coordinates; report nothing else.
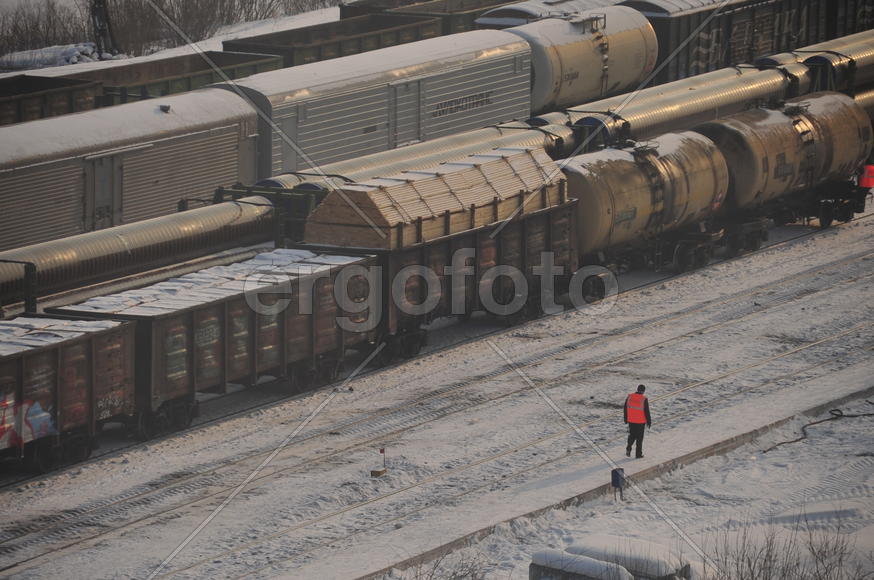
(129, 125)
(524, 12)
(24, 333)
(213, 284)
(389, 64)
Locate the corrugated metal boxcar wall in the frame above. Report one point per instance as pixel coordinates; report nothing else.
(156, 178)
(49, 195)
(376, 118)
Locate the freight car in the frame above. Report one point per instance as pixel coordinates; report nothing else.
(723, 33)
(133, 248)
(200, 332)
(673, 106)
(63, 90)
(361, 119)
(60, 380)
(295, 313)
(671, 200)
(92, 170)
(683, 104)
(335, 39)
(424, 224)
(28, 97)
(86, 258)
(486, 218)
(187, 145)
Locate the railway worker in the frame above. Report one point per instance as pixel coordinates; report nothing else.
(636, 413)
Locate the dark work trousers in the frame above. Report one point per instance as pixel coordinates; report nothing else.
(635, 435)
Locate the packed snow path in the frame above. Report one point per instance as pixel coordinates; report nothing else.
(461, 429)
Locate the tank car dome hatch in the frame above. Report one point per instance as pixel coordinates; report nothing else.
(630, 195)
(843, 64)
(771, 153)
(597, 52)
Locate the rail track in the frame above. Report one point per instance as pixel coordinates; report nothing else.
(10, 482)
(214, 481)
(498, 472)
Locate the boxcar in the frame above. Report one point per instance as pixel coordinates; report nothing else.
(226, 325)
(341, 38)
(740, 31)
(60, 380)
(97, 169)
(504, 208)
(454, 15)
(368, 103)
(29, 97)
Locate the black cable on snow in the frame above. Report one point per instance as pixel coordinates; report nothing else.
(835, 415)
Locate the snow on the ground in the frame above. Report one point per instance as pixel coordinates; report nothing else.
(724, 350)
(824, 484)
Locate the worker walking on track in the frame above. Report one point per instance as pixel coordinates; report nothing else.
(636, 416)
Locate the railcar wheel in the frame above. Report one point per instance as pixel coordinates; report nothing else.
(412, 343)
(77, 448)
(754, 241)
(684, 258)
(41, 457)
(181, 416)
(144, 428)
(594, 289)
(826, 215)
(702, 256)
(387, 354)
(732, 246)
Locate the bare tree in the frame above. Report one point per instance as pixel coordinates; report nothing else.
(137, 25)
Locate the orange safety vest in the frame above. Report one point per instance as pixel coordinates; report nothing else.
(866, 180)
(635, 407)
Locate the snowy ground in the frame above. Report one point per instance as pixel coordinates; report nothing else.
(825, 482)
(725, 350)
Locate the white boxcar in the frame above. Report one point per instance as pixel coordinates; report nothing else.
(106, 167)
(371, 102)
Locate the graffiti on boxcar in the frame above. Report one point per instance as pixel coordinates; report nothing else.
(35, 422)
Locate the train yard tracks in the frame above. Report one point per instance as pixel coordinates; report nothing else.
(29, 544)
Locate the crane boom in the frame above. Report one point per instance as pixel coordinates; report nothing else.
(102, 29)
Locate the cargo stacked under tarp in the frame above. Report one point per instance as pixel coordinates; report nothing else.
(60, 379)
(507, 207)
(272, 315)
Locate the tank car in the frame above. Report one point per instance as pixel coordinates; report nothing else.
(87, 258)
(631, 197)
(799, 154)
(588, 55)
(675, 107)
